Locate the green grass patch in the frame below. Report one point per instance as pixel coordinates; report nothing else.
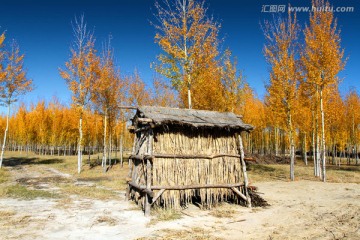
(21, 192)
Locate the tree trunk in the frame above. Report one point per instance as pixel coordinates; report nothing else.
(276, 133)
(5, 134)
(333, 152)
(189, 97)
(292, 147)
(105, 145)
(314, 151)
(348, 154)
(121, 149)
(79, 145)
(305, 150)
(323, 147)
(317, 145)
(110, 148)
(318, 172)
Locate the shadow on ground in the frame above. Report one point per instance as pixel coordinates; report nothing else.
(347, 168)
(15, 161)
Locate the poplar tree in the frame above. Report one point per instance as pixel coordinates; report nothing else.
(107, 91)
(280, 52)
(80, 73)
(189, 40)
(322, 61)
(13, 81)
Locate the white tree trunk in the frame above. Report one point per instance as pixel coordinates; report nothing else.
(110, 149)
(105, 145)
(323, 147)
(292, 148)
(5, 134)
(276, 133)
(305, 150)
(318, 172)
(356, 154)
(121, 149)
(314, 151)
(80, 145)
(189, 98)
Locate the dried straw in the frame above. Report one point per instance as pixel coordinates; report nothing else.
(175, 172)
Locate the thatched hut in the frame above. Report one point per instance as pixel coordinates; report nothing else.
(183, 154)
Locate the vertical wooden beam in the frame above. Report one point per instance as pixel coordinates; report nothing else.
(131, 168)
(148, 199)
(121, 150)
(246, 182)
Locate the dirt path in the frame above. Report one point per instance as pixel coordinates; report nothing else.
(299, 210)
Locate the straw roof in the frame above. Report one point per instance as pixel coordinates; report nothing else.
(193, 118)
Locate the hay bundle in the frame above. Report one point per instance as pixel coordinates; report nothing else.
(178, 171)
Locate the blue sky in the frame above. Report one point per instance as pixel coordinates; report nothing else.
(43, 31)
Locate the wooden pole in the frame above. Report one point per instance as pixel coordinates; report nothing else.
(128, 107)
(246, 182)
(141, 188)
(131, 168)
(148, 199)
(197, 186)
(239, 193)
(158, 195)
(188, 156)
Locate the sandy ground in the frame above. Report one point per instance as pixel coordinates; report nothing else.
(299, 210)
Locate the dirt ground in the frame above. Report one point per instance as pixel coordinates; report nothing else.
(298, 210)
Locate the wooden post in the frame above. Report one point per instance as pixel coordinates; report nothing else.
(148, 199)
(130, 168)
(246, 182)
(121, 150)
(148, 187)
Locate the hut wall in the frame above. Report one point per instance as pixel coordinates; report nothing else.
(177, 172)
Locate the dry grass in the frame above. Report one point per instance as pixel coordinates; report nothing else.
(163, 215)
(194, 233)
(22, 192)
(5, 214)
(91, 192)
(64, 203)
(281, 172)
(97, 184)
(19, 221)
(224, 211)
(4, 175)
(107, 220)
(114, 178)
